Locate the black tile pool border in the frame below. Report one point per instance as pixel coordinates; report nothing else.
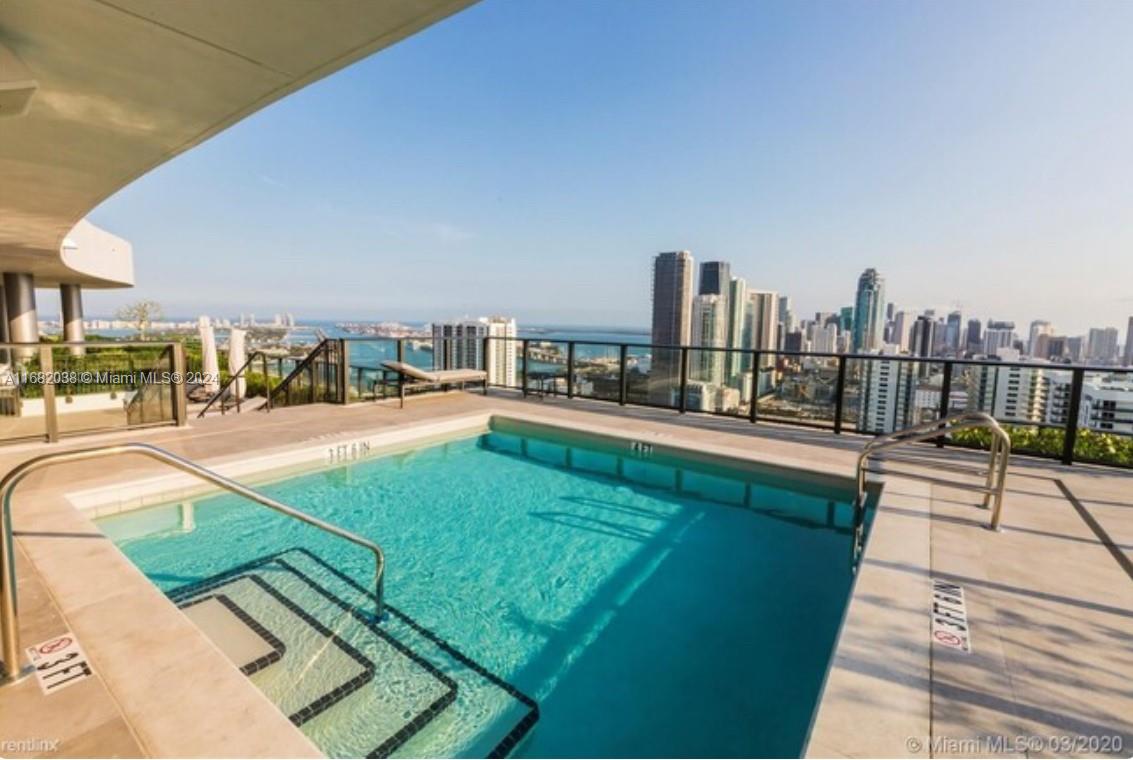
(337, 694)
(519, 731)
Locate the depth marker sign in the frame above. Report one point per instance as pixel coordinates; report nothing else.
(950, 616)
(59, 662)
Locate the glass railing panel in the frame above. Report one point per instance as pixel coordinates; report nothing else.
(21, 395)
(795, 388)
(1105, 419)
(716, 381)
(547, 366)
(100, 387)
(1031, 402)
(597, 371)
(883, 394)
(653, 376)
(314, 380)
(504, 362)
(366, 379)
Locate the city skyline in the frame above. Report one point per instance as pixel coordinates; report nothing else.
(730, 312)
(976, 155)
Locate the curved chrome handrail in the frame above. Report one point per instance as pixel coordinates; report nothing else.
(9, 625)
(999, 452)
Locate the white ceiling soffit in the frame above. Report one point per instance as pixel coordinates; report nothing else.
(125, 85)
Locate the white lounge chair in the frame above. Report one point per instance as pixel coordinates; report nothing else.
(409, 376)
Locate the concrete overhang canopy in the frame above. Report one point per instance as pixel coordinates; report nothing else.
(125, 85)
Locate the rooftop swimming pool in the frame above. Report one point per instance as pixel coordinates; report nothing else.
(550, 594)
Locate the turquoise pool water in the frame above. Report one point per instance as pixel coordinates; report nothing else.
(651, 606)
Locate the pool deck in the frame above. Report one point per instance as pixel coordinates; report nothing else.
(1049, 599)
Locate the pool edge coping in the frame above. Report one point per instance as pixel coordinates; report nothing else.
(831, 714)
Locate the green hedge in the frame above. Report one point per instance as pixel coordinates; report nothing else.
(1089, 446)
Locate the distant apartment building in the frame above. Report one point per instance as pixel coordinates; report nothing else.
(887, 393)
(999, 336)
(672, 321)
(705, 397)
(459, 344)
(923, 336)
(869, 312)
(1056, 349)
(824, 338)
(761, 331)
(1101, 345)
(1010, 392)
(1106, 405)
(974, 341)
(761, 328)
(954, 334)
(786, 316)
(715, 277)
(902, 328)
(1128, 360)
(1038, 339)
(1076, 349)
(709, 330)
(734, 364)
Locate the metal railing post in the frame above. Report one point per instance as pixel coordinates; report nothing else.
(50, 413)
(343, 374)
(753, 413)
(485, 351)
(524, 376)
(839, 392)
(311, 380)
(945, 398)
(684, 379)
(623, 352)
(177, 391)
(1070, 437)
(267, 384)
(570, 369)
(401, 350)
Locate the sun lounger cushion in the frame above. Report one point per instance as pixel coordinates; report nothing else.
(441, 376)
(410, 371)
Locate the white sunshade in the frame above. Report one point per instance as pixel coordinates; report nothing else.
(210, 366)
(237, 355)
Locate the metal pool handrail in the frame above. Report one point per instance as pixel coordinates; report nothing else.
(999, 452)
(9, 623)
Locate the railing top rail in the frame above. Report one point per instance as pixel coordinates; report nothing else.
(986, 362)
(989, 362)
(9, 628)
(93, 344)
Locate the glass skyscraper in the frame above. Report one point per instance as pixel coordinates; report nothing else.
(869, 312)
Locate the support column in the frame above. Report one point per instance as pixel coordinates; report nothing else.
(23, 327)
(71, 298)
(5, 355)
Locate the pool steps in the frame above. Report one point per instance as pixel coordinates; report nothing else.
(355, 686)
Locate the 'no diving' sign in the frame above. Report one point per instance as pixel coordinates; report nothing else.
(949, 615)
(59, 662)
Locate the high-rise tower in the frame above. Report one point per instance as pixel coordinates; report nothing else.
(869, 312)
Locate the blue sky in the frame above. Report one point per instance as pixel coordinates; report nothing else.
(530, 157)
